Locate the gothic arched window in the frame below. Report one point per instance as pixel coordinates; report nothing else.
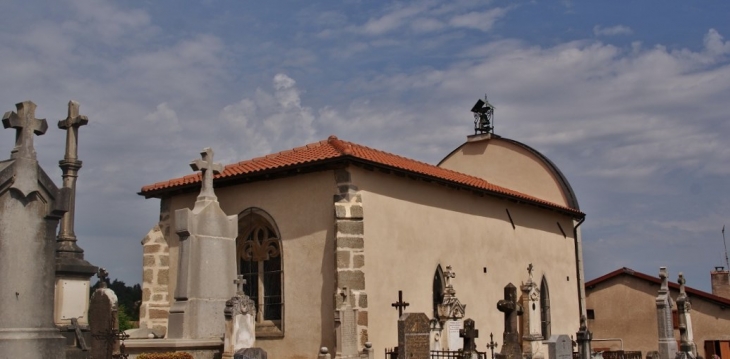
(259, 258)
(438, 289)
(545, 308)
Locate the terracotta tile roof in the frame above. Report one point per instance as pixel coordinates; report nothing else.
(334, 148)
(656, 280)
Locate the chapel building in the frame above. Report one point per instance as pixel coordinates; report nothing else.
(334, 219)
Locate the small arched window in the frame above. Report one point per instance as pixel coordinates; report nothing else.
(545, 308)
(259, 253)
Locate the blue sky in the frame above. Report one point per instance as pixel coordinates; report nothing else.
(627, 98)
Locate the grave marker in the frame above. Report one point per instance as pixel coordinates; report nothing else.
(559, 347)
(413, 336)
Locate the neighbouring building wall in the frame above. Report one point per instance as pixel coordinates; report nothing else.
(412, 226)
(625, 307)
(303, 209)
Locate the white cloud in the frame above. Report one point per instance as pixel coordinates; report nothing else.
(478, 20)
(612, 31)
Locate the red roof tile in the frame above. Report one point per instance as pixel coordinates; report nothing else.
(334, 148)
(656, 280)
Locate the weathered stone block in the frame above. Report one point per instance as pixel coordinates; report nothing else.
(163, 276)
(358, 261)
(340, 211)
(362, 300)
(156, 297)
(152, 248)
(350, 227)
(148, 260)
(164, 261)
(356, 211)
(362, 318)
(147, 276)
(350, 242)
(354, 280)
(158, 314)
(343, 259)
(146, 294)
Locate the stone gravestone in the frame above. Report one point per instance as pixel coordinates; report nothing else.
(251, 353)
(204, 285)
(452, 328)
(413, 336)
(240, 315)
(451, 312)
(30, 208)
(469, 335)
(511, 348)
(103, 320)
(559, 347)
(346, 328)
(667, 343)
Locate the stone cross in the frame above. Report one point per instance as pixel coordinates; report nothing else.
(103, 275)
(448, 274)
(240, 282)
(71, 124)
(25, 125)
(511, 348)
(209, 169)
(400, 304)
(469, 334)
(529, 270)
(665, 279)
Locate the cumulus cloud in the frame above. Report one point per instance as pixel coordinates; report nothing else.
(478, 20)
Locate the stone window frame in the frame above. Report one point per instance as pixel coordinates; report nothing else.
(545, 322)
(438, 289)
(259, 217)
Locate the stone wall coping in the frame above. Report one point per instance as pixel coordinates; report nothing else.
(173, 343)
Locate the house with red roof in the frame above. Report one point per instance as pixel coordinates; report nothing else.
(336, 220)
(622, 313)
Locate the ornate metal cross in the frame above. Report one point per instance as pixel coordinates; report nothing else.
(400, 304)
(469, 334)
(209, 169)
(25, 125)
(492, 345)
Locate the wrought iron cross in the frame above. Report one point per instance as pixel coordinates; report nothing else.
(209, 169)
(492, 345)
(400, 304)
(25, 125)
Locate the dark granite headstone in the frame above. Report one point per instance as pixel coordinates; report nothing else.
(103, 323)
(414, 336)
(511, 348)
(250, 353)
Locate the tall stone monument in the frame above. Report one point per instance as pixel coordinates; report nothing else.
(73, 273)
(584, 337)
(667, 343)
(207, 267)
(30, 207)
(531, 319)
(687, 347)
(451, 313)
(511, 308)
(346, 327)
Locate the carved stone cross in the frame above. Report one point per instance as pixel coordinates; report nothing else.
(529, 270)
(25, 125)
(71, 124)
(209, 169)
(400, 304)
(240, 282)
(448, 274)
(469, 334)
(664, 276)
(510, 308)
(681, 282)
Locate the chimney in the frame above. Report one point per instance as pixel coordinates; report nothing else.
(720, 279)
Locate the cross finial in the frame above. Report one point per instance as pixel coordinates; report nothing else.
(664, 276)
(681, 282)
(529, 270)
(103, 275)
(240, 282)
(71, 124)
(448, 274)
(25, 125)
(209, 169)
(400, 304)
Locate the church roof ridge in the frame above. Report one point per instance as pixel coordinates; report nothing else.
(334, 148)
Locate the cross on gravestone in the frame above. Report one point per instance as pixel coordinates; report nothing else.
(529, 270)
(400, 304)
(209, 169)
(103, 276)
(240, 282)
(448, 274)
(469, 334)
(511, 348)
(25, 125)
